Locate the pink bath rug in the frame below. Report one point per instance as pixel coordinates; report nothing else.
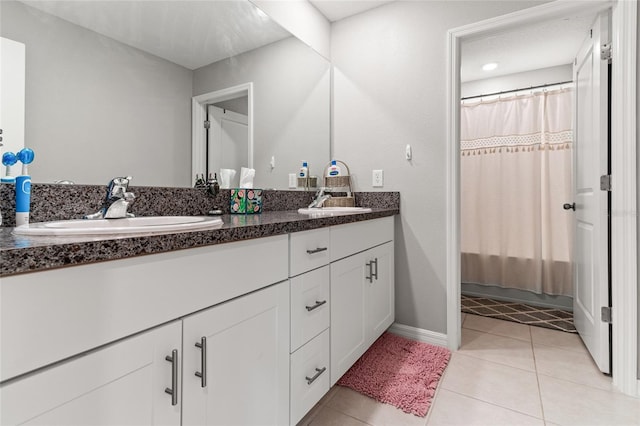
(400, 372)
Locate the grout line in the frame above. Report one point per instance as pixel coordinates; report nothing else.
(495, 363)
(535, 365)
(496, 405)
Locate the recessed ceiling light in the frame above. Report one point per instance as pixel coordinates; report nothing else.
(490, 66)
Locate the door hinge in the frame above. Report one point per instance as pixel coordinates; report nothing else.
(605, 314)
(207, 124)
(605, 183)
(605, 52)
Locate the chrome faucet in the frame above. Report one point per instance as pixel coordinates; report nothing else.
(117, 200)
(319, 199)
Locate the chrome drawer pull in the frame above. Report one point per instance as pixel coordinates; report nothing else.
(318, 250)
(370, 277)
(317, 305)
(203, 362)
(173, 390)
(375, 274)
(319, 371)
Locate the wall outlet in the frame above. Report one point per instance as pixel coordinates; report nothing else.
(377, 179)
(293, 180)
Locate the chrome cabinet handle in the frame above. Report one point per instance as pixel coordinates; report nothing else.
(375, 274)
(370, 277)
(317, 250)
(319, 371)
(173, 390)
(203, 362)
(316, 306)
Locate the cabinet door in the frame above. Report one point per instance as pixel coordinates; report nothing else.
(123, 383)
(246, 363)
(348, 314)
(380, 291)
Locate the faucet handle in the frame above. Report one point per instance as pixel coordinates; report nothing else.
(118, 186)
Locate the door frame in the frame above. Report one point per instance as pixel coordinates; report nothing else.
(199, 115)
(623, 158)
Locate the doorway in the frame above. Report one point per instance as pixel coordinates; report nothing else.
(624, 293)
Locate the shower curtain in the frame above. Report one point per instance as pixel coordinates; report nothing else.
(516, 158)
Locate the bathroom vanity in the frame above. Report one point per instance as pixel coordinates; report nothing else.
(252, 325)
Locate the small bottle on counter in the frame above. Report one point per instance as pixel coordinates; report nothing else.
(334, 169)
(304, 170)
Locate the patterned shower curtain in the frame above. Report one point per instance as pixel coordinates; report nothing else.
(516, 157)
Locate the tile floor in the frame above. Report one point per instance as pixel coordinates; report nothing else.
(504, 374)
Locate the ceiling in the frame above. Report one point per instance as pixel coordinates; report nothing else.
(542, 45)
(190, 33)
(335, 10)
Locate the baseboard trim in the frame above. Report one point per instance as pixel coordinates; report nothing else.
(419, 334)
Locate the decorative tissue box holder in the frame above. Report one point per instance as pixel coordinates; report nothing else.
(246, 201)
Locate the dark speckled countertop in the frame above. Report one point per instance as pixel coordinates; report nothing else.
(22, 254)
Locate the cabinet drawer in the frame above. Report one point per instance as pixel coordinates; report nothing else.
(309, 306)
(309, 375)
(355, 237)
(308, 250)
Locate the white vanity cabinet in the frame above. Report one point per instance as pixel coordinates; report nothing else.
(362, 290)
(250, 332)
(236, 361)
(121, 384)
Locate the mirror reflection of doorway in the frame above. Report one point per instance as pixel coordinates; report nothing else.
(228, 136)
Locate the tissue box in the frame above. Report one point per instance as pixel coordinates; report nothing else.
(246, 201)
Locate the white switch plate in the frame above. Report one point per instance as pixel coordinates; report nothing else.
(377, 178)
(293, 182)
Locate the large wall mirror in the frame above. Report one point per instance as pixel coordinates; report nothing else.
(109, 88)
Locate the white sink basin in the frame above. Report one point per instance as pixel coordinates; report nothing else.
(127, 226)
(333, 211)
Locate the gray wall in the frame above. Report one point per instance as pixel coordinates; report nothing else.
(96, 108)
(291, 85)
(389, 91)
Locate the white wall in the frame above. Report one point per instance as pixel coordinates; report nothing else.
(96, 108)
(389, 91)
(301, 19)
(638, 168)
(517, 81)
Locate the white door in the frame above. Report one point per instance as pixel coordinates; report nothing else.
(121, 384)
(239, 372)
(228, 140)
(591, 272)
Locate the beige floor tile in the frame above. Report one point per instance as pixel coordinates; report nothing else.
(370, 411)
(577, 367)
(499, 327)
(500, 349)
(559, 339)
(568, 404)
(306, 420)
(463, 318)
(453, 409)
(498, 384)
(330, 417)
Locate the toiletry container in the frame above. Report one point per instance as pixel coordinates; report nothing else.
(304, 170)
(334, 169)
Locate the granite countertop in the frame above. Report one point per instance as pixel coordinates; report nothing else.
(22, 254)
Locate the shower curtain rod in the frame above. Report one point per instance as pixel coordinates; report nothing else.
(516, 90)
